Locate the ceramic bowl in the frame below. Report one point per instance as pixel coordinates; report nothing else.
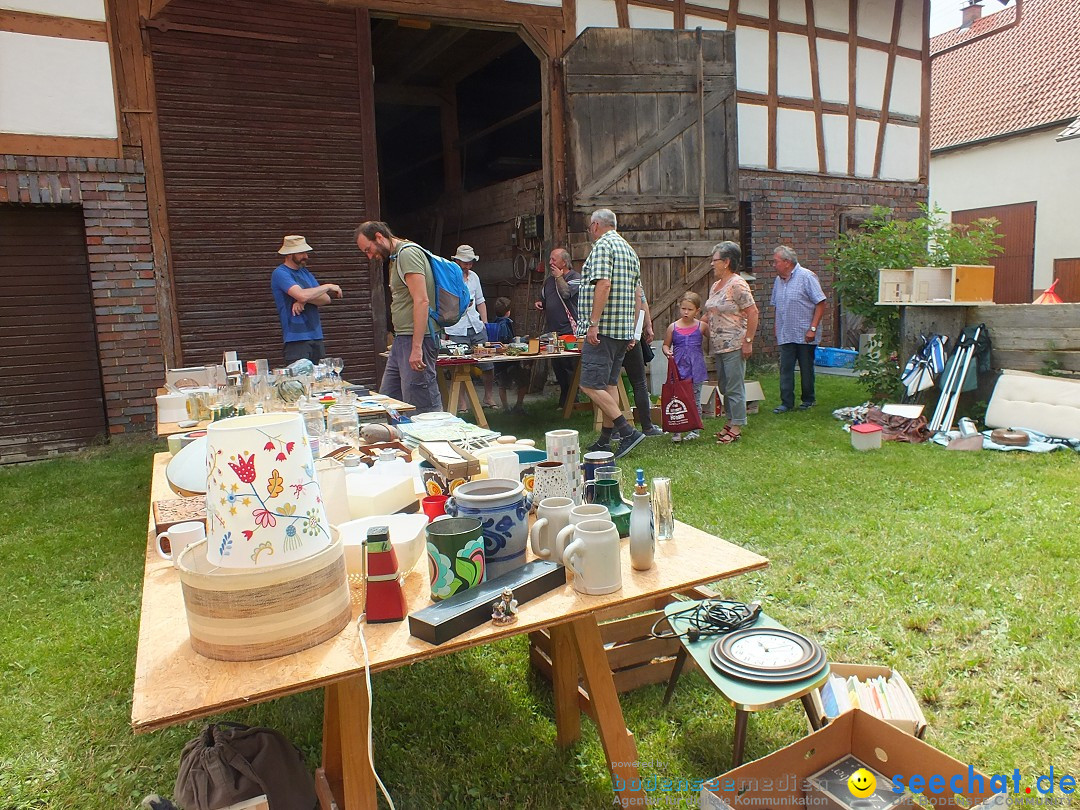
(406, 535)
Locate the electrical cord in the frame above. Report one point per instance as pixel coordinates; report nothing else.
(710, 617)
(371, 744)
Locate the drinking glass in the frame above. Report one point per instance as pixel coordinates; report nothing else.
(663, 510)
(337, 365)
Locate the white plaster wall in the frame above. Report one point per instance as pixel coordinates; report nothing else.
(911, 26)
(641, 17)
(793, 66)
(875, 19)
(865, 147)
(755, 8)
(1030, 167)
(598, 13)
(870, 69)
(900, 153)
(705, 23)
(793, 11)
(752, 59)
(906, 97)
(753, 145)
(82, 9)
(796, 141)
(831, 15)
(833, 70)
(68, 91)
(835, 127)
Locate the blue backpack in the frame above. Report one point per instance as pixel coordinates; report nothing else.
(452, 294)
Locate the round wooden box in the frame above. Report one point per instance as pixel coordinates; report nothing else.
(246, 615)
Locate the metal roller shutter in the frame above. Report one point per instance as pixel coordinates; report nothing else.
(50, 376)
(260, 117)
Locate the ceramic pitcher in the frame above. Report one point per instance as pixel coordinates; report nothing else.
(594, 557)
(503, 509)
(552, 516)
(549, 481)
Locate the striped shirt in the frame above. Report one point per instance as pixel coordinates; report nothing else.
(794, 301)
(611, 258)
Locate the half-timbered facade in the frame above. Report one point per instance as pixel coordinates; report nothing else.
(194, 133)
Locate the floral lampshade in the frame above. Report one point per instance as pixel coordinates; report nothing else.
(264, 506)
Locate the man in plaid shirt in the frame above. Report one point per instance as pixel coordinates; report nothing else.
(607, 307)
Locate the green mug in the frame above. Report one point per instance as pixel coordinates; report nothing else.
(455, 548)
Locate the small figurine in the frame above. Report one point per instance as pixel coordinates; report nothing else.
(504, 611)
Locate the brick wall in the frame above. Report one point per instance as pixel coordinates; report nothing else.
(804, 212)
(112, 195)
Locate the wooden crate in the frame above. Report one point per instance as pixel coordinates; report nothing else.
(895, 286)
(636, 658)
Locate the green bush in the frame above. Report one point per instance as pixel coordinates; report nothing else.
(886, 242)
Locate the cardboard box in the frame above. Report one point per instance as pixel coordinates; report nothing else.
(779, 781)
(916, 727)
(828, 789)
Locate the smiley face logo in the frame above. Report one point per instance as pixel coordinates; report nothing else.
(861, 783)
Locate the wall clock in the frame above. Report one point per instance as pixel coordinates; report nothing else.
(768, 655)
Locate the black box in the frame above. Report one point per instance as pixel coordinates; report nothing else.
(468, 609)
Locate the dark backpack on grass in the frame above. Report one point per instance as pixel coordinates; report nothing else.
(229, 762)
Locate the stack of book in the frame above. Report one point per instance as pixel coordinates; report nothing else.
(886, 697)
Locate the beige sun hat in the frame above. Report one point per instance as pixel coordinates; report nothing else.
(465, 253)
(294, 244)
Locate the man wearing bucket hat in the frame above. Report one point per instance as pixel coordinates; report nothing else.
(471, 330)
(298, 296)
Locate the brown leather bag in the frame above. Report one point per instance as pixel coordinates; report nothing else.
(229, 762)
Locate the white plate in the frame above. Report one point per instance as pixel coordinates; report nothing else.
(434, 417)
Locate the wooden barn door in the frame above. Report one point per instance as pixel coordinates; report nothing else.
(266, 117)
(50, 375)
(651, 123)
(1014, 270)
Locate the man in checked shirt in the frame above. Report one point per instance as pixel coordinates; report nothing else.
(607, 311)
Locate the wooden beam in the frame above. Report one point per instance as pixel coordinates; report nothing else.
(157, 6)
(622, 13)
(867, 113)
(569, 21)
(365, 82)
(853, 49)
(680, 15)
(510, 119)
(924, 107)
(59, 146)
(138, 102)
(731, 18)
(774, 80)
(47, 25)
(405, 95)
(473, 11)
(662, 302)
(431, 48)
(815, 84)
(890, 70)
(472, 62)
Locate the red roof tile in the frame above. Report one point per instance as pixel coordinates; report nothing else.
(1025, 77)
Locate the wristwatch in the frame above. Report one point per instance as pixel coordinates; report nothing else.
(749, 339)
(813, 328)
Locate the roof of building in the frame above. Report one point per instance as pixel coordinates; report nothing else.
(1020, 79)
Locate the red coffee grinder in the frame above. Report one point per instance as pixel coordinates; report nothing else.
(384, 596)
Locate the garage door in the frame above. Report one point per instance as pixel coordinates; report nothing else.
(50, 375)
(262, 123)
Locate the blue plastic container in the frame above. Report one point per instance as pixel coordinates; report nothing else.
(835, 358)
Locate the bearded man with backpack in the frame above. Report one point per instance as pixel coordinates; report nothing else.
(410, 371)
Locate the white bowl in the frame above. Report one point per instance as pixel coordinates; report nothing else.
(407, 534)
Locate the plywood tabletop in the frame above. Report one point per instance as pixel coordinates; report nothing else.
(174, 684)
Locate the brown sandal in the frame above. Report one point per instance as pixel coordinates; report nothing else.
(727, 436)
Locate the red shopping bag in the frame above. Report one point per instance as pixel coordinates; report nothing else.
(678, 406)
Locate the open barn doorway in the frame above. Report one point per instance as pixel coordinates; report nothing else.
(458, 121)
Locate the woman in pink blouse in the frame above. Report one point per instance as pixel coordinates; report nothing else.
(732, 316)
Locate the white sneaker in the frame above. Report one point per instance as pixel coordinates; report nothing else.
(676, 437)
(693, 434)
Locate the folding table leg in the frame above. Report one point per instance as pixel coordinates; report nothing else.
(346, 780)
(619, 746)
(676, 671)
(740, 737)
(564, 686)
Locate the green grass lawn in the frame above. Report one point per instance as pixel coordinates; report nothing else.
(958, 569)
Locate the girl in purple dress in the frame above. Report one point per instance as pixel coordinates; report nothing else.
(685, 344)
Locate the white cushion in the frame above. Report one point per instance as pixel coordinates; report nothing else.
(1050, 405)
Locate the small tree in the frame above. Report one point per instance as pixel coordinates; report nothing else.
(884, 242)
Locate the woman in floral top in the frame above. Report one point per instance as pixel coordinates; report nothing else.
(732, 316)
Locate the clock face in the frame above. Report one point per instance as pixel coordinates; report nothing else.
(768, 655)
(768, 650)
